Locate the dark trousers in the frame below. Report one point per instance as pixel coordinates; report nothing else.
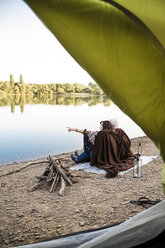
(84, 157)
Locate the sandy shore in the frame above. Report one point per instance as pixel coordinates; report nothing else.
(95, 201)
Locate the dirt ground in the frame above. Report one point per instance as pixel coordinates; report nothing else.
(95, 201)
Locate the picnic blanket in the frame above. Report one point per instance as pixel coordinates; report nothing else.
(93, 169)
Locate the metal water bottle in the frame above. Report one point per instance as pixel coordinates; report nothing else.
(137, 169)
(139, 149)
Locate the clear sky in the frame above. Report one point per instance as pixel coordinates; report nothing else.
(27, 47)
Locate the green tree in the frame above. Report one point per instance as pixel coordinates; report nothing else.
(59, 88)
(78, 87)
(46, 89)
(29, 90)
(21, 79)
(88, 90)
(69, 88)
(98, 91)
(16, 90)
(2, 93)
(22, 88)
(7, 87)
(53, 88)
(11, 79)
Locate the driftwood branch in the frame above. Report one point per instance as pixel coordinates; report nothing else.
(24, 167)
(38, 185)
(47, 169)
(50, 175)
(41, 177)
(54, 181)
(63, 184)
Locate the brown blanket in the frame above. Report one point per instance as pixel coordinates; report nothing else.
(111, 152)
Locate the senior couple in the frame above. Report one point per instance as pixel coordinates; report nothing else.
(108, 149)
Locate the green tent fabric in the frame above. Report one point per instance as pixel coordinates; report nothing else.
(151, 12)
(121, 45)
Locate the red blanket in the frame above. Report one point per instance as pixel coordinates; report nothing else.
(111, 152)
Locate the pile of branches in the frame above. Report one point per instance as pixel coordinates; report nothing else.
(54, 177)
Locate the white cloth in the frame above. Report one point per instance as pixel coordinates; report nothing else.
(86, 166)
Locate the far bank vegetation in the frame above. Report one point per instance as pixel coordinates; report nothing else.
(20, 88)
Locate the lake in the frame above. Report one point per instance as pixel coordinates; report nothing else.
(34, 127)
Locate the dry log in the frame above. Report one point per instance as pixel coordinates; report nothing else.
(50, 175)
(51, 178)
(60, 171)
(57, 180)
(41, 177)
(36, 186)
(45, 173)
(65, 166)
(67, 173)
(54, 181)
(63, 184)
(24, 167)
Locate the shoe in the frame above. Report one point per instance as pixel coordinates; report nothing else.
(73, 158)
(76, 153)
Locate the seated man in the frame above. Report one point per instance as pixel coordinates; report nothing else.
(111, 150)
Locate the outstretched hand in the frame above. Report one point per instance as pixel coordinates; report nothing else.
(69, 129)
(76, 130)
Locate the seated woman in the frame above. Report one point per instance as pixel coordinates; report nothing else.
(111, 150)
(88, 139)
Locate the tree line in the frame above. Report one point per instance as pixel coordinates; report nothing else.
(20, 88)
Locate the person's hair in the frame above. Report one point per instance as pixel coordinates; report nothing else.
(107, 125)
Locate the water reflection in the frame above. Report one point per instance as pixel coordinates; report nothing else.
(53, 99)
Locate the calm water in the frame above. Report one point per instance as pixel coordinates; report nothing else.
(32, 128)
